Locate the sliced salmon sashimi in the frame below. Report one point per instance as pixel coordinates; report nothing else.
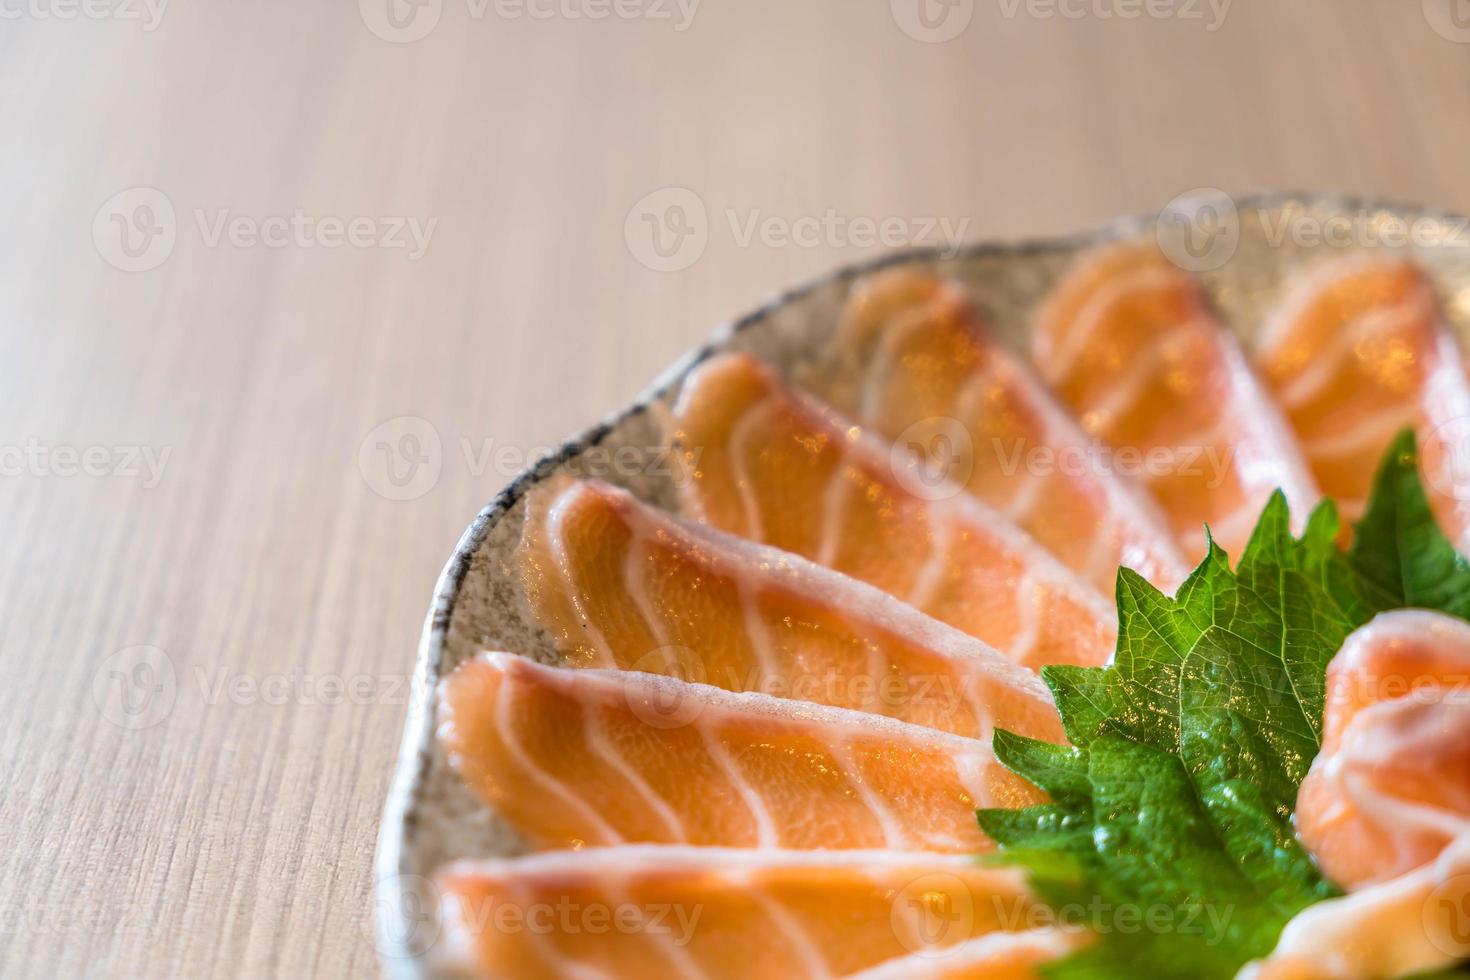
(779, 467)
(917, 365)
(596, 757)
(1357, 352)
(649, 911)
(621, 584)
(1130, 344)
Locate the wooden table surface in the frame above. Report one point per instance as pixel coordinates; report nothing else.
(215, 560)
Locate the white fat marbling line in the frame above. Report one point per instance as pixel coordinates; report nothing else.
(766, 834)
(967, 959)
(546, 947)
(1327, 362)
(556, 537)
(595, 733)
(1141, 377)
(740, 436)
(1377, 430)
(539, 775)
(1060, 361)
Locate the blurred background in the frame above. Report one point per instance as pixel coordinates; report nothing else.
(288, 291)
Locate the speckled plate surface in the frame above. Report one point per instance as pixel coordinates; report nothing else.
(1243, 250)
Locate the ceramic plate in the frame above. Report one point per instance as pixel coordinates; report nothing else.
(1241, 249)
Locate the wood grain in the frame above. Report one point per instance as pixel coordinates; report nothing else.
(233, 835)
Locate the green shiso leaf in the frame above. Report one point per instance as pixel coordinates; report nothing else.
(1169, 828)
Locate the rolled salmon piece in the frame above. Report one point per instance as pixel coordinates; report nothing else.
(779, 467)
(1390, 788)
(1385, 808)
(576, 758)
(916, 363)
(1413, 924)
(621, 584)
(1130, 344)
(1355, 353)
(649, 911)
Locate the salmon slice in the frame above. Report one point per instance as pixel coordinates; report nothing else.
(1390, 788)
(779, 467)
(1356, 353)
(621, 584)
(997, 956)
(1129, 343)
(921, 369)
(653, 911)
(589, 757)
(1406, 926)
